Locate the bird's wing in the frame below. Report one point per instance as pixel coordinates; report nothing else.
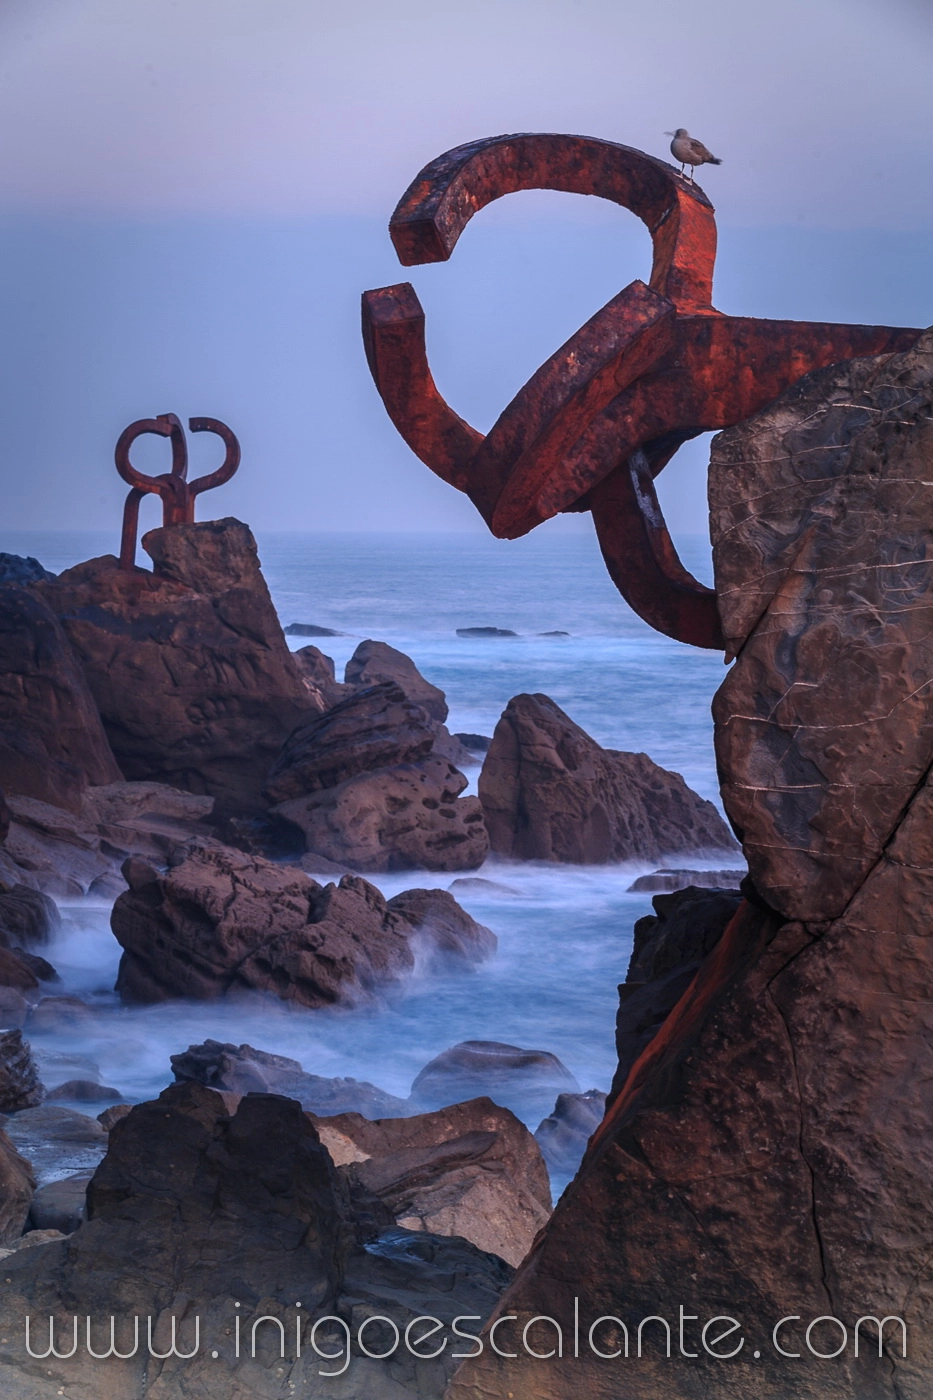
(699, 150)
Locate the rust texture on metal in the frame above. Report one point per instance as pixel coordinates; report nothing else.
(656, 366)
(177, 493)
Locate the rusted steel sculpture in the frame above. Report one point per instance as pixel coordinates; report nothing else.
(598, 421)
(174, 488)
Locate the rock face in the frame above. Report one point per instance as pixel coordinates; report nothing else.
(375, 662)
(471, 1170)
(240, 1069)
(319, 675)
(770, 1153)
(526, 1081)
(17, 1185)
(221, 920)
(188, 665)
(549, 792)
(52, 743)
(19, 1078)
(194, 1207)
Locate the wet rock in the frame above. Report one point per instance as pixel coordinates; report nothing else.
(19, 1079)
(13, 1006)
(564, 1134)
(444, 929)
(15, 974)
(471, 1170)
(52, 743)
(475, 743)
(57, 1142)
(59, 851)
(223, 920)
(27, 917)
(310, 629)
(479, 885)
(447, 745)
(375, 728)
(526, 1081)
(549, 792)
(193, 1206)
(115, 1114)
(17, 1185)
(53, 1015)
(409, 817)
(485, 632)
(40, 968)
(241, 1069)
(374, 663)
(83, 1091)
(191, 673)
(60, 1206)
(666, 881)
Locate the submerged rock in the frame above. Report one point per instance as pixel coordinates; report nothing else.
(564, 1134)
(471, 1170)
(241, 1069)
(549, 792)
(666, 881)
(515, 1078)
(444, 929)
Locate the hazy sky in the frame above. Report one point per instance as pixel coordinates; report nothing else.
(193, 193)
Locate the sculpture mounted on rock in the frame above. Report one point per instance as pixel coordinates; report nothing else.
(176, 492)
(597, 422)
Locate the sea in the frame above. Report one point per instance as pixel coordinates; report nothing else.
(565, 932)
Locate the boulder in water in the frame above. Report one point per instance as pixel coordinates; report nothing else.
(512, 1077)
(19, 1079)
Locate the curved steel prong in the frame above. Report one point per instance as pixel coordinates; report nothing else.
(231, 459)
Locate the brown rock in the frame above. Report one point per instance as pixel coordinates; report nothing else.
(223, 919)
(472, 1170)
(446, 930)
(374, 728)
(52, 743)
(376, 662)
(17, 1185)
(823, 572)
(59, 851)
(188, 664)
(318, 673)
(408, 817)
(27, 917)
(114, 1114)
(19, 1078)
(15, 973)
(549, 792)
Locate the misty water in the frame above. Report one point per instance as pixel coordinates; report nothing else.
(564, 932)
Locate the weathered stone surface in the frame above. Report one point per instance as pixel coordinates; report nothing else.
(27, 917)
(22, 569)
(57, 1142)
(17, 1185)
(408, 817)
(820, 520)
(58, 851)
(375, 662)
(19, 1078)
(194, 1207)
(471, 1170)
(562, 1136)
(320, 676)
(375, 728)
(444, 929)
(222, 920)
(52, 742)
(526, 1081)
(188, 665)
(241, 1069)
(60, 1205)
(549, 792)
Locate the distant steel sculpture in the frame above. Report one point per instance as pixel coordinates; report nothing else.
(598, 421)
(177, 493)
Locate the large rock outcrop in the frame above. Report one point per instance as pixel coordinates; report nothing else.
(221, 920)
(199, 1207)
(770, 1153)
(549, 792)
(188, 664)
(472, 1170)
(376, 662)
(52, 742)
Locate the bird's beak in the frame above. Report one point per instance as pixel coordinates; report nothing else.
(668, 133)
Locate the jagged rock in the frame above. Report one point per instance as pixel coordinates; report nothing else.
(563, 1135)
(223, 920)
(22, 570)
(669, 947)
(17, 1185)
(408, 817)
(194, 1206)
(19, 1079)
(445, 929)
(549, 792)
(60, 1205)
(52, 743)
(372, 729)
(666, 881)
(188, 665)
(320, 676)
(57, 1142)
(526, 1081)
(58, 851)
(241, 1069)
(376, 662)
(471, 1170)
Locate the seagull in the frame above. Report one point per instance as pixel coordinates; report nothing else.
(689, 151)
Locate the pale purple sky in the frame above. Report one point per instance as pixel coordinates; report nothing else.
(193, 193)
